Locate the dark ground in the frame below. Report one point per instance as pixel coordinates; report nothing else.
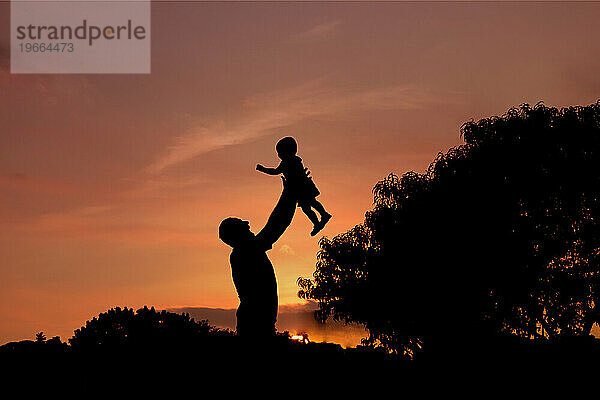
(231, 365)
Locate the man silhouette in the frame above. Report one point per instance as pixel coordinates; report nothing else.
(251, 269)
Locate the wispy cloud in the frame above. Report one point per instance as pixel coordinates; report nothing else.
(159, 186)
(319, 32)
(91, 224)
(287, 250)
(265, 112)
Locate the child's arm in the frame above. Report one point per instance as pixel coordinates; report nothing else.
(268, 171)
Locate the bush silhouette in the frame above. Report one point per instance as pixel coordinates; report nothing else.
(40, 337)
(118, 328)
(501, 236)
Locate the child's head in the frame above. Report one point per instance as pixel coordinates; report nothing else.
(286, 147)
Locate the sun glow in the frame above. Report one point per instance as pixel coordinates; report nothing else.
(301, 337)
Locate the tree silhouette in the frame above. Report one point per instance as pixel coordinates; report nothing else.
(501, 236)
(40, 337)
(119, 328)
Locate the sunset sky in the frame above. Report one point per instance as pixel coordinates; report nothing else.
(112, 186)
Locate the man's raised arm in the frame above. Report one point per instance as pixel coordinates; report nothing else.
(280, 218)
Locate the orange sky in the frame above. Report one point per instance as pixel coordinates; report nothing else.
(112, 186)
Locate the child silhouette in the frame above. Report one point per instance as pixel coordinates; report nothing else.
(301, 186)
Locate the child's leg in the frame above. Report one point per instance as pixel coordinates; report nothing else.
(320, 209)
(310, 214)
(325, 216)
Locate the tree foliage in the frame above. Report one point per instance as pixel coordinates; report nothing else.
(40, 337)
(500, 236)
(146, 327)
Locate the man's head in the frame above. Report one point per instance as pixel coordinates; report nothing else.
(235, 232)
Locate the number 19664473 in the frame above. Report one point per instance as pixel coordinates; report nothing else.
(46, 47)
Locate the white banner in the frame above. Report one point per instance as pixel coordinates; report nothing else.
(65, 37)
